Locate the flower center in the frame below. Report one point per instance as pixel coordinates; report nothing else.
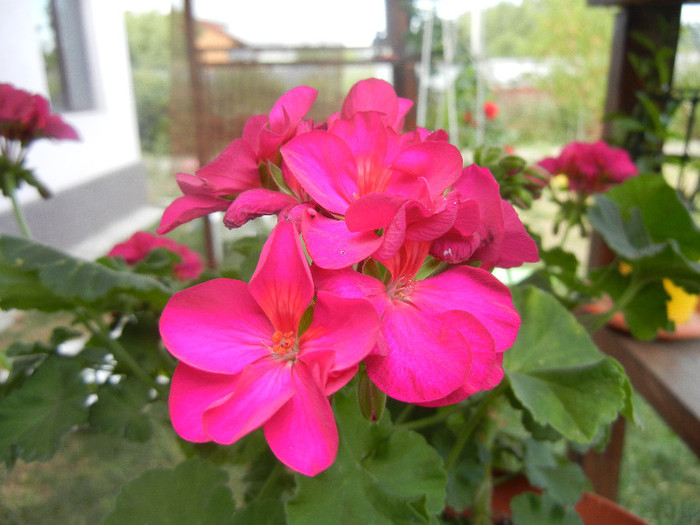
(283, 343)
(400, 289)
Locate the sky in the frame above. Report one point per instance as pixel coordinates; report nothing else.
(352, 24)
(315, 22)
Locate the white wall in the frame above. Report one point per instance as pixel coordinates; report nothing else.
(109, 133)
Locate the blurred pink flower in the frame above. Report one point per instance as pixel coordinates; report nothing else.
(245, 362)
(591, 167)
(25, 117)
(140, 244)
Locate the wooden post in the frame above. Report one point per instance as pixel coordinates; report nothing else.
(198, 120)
(403, 68)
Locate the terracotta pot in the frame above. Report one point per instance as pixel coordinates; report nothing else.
(592, 508)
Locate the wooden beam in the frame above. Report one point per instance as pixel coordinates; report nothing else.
(403, 68)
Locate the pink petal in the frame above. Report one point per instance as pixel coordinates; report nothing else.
(373, 211)
(188, 207)
(282, 283)
(518, 246)
(474, 291)
(426, 355)
(347, 282)
(373, 94)
(215, 326)
(234, 170)
(192, 391)
(439, 163)
(302, 434)
(255, 203)
(351, 336)
(331, 245)
(262, 389)
(291, 107)
(325, 168)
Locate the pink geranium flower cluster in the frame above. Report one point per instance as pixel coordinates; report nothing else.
(137, 247)
(591, 167)
(374, 208)
(25, 117)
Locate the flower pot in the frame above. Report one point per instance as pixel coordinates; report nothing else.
(592, 508)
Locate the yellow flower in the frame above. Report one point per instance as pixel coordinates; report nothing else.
(681, 305)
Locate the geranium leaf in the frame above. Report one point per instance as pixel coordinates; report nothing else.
(37, 276)
(194, 492)
(532, 509)
(559, 375)
(118, 410)
(563, 480)
(35, 416)
(379, 477)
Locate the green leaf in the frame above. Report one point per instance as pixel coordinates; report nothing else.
(35, 416)
(563, 480)
(379, 476)
(118, 410)
(36, 276)
(194, 492)
(532, 509)
(261, 512)
(558, 374)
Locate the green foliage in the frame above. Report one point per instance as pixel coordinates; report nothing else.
(194, 492)
(559, 376)
(50, 403)
(380, 476)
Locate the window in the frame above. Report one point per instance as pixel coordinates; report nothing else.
(61, 33)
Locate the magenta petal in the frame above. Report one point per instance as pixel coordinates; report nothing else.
(373, 211)
(282, 283)
(255, 203)
(331, 245)
(291, 107)
(426, 356)
(215, 326)
(473, 384)
(475, 291)
(373, 94)
(518, 246)
(351, 335)
(347, 282)
(325, 168)
(435, 224)
(192, 391)
(188, 207)
(438, 163)
(262, 389)
(234, 170)
(302, 434)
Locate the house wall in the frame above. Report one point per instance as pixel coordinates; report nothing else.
(101, 178)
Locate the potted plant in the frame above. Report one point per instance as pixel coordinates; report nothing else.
(371, 370)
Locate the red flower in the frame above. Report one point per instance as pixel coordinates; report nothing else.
(490, 110)
(591, 167)
(140, 244)
(25, 117)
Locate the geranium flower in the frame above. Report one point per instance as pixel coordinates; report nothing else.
(487, 228)
(362, 171)
(246, 363)
(140, 244)
(442, 337)
(238, 167)
(591, 167)
(25, 117)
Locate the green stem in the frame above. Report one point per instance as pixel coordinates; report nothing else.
(625, 299)
(101, 330)
(274, 475)
(425, 421)
(465, 433)
(19, 215)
